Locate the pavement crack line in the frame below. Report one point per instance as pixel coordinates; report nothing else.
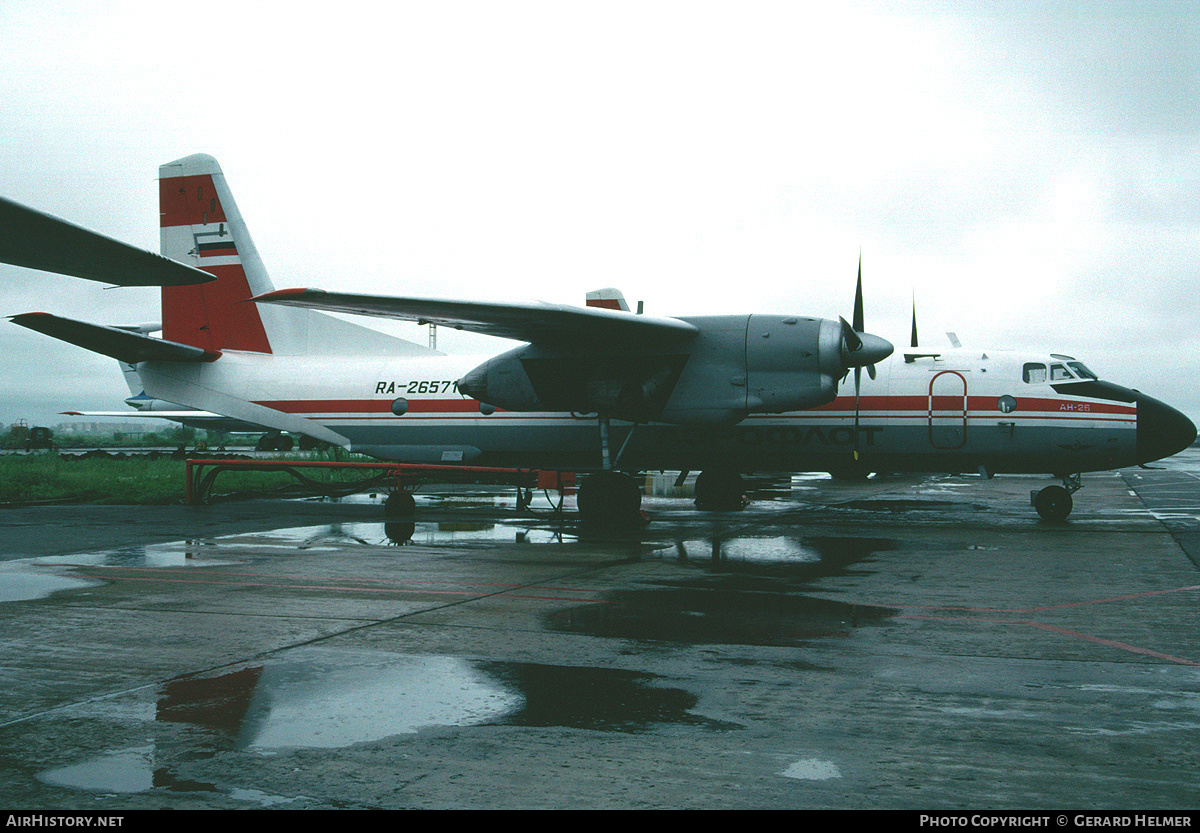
(500, 591)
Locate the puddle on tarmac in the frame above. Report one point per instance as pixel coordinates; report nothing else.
(120, 771)
(135, 771)
(738, 617)
(911, 505)
(190, 553)
(22, 581)
(812, 769)
(802, 557)
(452, 533)
(332, 699)
(322, 698)
(745, 591)
(331, 537)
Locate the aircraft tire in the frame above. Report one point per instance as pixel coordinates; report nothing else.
(1054, 503)
(274, 442)
(400, 505)
(720, 490)
(853, 472)
(608, 496)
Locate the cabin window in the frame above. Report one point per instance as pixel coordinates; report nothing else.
(1035, 373)
(1059, 373)
(1081, 370)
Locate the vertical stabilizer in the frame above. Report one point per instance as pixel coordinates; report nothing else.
(607, 299)
(200, 225)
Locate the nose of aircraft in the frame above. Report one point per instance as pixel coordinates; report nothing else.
(1161, 430)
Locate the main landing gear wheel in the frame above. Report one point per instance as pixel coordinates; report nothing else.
(1053, 503)
(400, 505)
(720, 490)
(274, 442)
(609, 496)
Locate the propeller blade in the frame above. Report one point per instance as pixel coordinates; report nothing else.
(858, 299)
(857, 388)
(914, 322)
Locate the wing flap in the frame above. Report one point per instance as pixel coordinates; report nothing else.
(35, 240)
(123, 345)
(535, 322)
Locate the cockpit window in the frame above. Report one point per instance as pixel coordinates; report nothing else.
(1058, 373)
(1035, 373)
(1081, 370)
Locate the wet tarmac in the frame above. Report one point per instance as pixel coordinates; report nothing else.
(908, 642)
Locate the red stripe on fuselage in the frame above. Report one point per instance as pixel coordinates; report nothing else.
(371, 406)
(870, 407)
(977, 405)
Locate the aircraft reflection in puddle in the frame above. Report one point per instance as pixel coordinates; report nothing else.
(328, 698)
(325, 698)
(445, 533)
(742, 590)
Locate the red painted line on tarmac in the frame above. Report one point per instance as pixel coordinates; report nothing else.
(409, 591)
(1111, 643)
(1036, 609)
(186, 570)
(1124, 646)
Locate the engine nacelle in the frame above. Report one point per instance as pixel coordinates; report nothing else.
(731, 367)
(501, 381)
(792, 364)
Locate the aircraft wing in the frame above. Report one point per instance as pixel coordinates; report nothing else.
(40, 241)
(124, 345)
(530, 321)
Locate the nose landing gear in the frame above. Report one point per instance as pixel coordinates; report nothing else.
(1054, 503)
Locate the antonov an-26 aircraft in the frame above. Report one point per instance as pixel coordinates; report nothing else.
(594, 389)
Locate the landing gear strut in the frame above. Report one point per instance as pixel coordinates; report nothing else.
(609, 496)
(1054, 503)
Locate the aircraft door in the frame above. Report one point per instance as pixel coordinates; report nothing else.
(948, 410)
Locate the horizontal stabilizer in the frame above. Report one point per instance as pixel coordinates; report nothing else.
(121, 344)
(39, 241)
(535, 322)
(165, 415)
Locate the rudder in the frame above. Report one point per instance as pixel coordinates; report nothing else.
(200, 225)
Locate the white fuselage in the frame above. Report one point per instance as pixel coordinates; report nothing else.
(959, 411)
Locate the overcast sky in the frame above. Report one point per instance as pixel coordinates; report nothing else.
(1030, 170)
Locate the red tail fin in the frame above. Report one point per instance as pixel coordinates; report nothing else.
(202, 227)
